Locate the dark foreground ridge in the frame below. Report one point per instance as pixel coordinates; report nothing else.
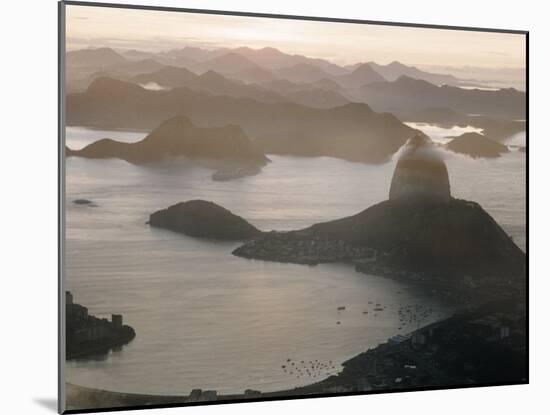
(203, 219)
(89, 336)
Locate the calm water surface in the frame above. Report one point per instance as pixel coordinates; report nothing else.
(206, 319)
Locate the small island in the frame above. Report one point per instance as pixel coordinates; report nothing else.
(203, 219)
(84, 202)
(88, 335)
(476, 146)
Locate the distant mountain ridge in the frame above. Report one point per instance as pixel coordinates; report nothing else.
(95, 56)
(242, 60)
(227, 60)
(269, 75)
(406, 95)
(395, 70)
(362, 75)
(214, 83)
(210, 81)
(352, 131)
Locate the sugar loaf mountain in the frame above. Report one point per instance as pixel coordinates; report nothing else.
(421, 230)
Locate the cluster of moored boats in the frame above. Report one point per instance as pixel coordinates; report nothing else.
(308, 368)
(413, 314)
(408, 314)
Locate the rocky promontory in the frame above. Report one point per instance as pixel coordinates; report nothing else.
(202, 219)
(476, 145)
(420, 229)
(456, 237)
(88, 336)
(178, 137)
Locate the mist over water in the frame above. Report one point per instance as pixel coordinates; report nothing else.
(442, 135)
(206, 319)
(519, 139)
(79, 137)
(153, 86)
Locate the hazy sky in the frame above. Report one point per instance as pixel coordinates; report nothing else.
(342, 43)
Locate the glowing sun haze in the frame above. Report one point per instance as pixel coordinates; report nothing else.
(342, 43)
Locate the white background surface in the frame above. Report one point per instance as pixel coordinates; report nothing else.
(28, 255)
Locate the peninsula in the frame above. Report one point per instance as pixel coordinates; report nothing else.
(421, 233)
(178, 137)
(88, 335)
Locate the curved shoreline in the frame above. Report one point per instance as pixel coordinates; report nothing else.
(402, 363)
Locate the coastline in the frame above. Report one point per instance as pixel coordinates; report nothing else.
(403, 362)
(102, 347)
(88, 335)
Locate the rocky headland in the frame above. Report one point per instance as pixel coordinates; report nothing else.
(420, 232)
(454, 238)
(178, 137)
(90, 336)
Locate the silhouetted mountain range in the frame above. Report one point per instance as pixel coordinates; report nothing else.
(302, 72)
(274, 59)
(269, 75)
(95, 57)
(317, 98)
(406, 94)
(261, 64)
(362, 75)
(210, 81)
(395, 70)
(216, 84)
(352, 131)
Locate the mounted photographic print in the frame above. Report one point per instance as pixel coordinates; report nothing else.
(258, 207)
